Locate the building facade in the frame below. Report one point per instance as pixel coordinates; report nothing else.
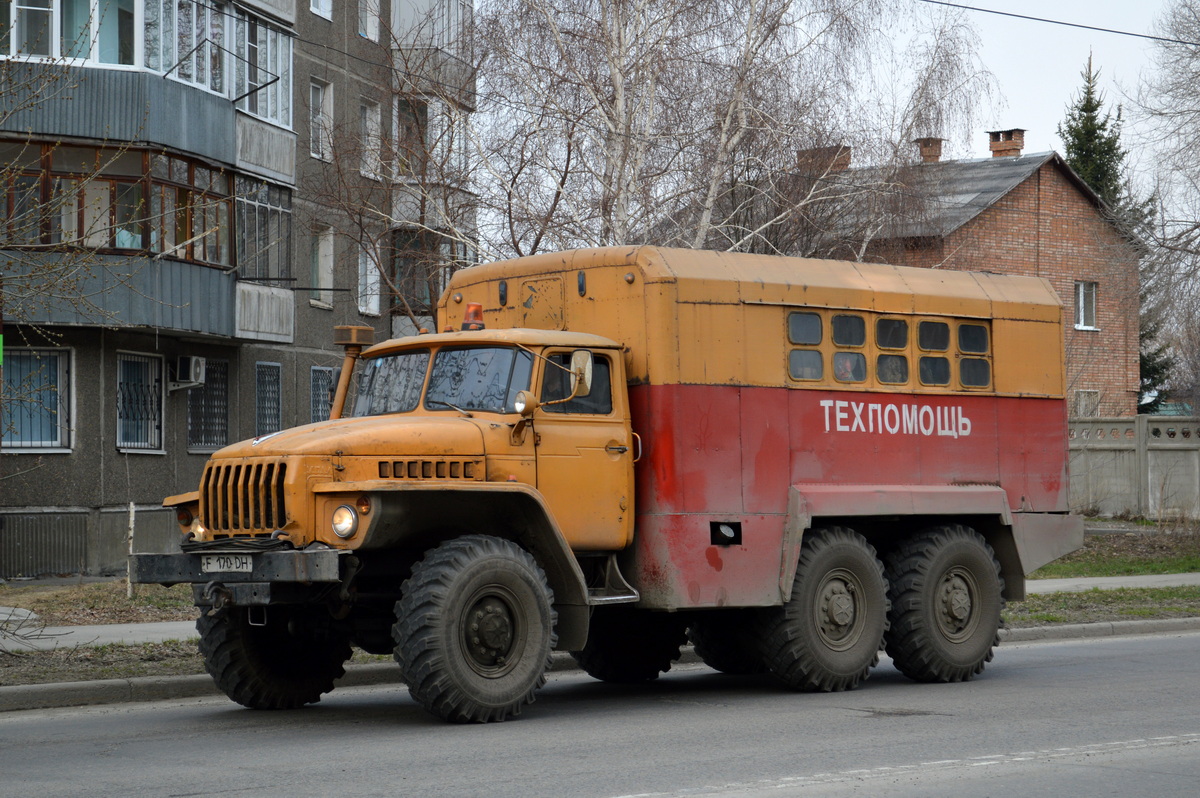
(194, 195)
(1032, 215)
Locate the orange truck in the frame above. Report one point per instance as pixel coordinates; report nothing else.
(794, 463)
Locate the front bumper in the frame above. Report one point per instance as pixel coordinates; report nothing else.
(277, 577)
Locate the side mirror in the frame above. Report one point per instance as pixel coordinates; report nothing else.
(581, 373)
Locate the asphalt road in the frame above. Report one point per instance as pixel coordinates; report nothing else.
(1114, 716)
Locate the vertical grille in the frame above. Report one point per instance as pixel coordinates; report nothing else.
(244, 498)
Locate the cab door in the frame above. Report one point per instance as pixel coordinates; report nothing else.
(585, 453)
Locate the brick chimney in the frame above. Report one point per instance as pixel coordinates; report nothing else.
(930, 148)
(820, 160)
(1007, 142)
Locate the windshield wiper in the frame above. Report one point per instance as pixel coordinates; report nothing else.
(447, 404)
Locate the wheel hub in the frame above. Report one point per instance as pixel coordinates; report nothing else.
(837, 610)
(956, 604)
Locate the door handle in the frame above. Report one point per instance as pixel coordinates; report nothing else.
(616, 449)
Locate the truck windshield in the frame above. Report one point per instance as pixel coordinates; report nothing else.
(478, 378)
(391, 384)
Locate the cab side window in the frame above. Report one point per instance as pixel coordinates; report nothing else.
(556, 384)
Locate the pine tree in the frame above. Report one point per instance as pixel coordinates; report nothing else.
(1092, 139)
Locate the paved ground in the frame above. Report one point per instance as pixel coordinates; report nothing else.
(156, 688)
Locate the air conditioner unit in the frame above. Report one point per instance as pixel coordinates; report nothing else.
(190, 369)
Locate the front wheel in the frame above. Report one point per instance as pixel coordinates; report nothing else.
(474, 629)
(946, 593)
(278, 658)
(828, 635)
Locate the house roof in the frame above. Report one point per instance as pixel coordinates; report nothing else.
(955, 192)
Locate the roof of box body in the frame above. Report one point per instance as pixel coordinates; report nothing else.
(703, 276)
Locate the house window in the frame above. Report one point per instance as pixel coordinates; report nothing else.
(36, 400)
(139, 402)
(208, 408)
(322, 8)
(368, 19)
(321, 267)
(268, 398)
(264, 230)
(1085, 306)
(368, 280)
(321, 387)
(370, 128)
(320, 120)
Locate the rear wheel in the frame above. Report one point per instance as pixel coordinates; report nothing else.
(946, 593)
(272, 657)
(828, 635)
(726, 641)
(474, 629)
(628, 645)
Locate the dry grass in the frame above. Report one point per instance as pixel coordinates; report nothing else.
(100, 602)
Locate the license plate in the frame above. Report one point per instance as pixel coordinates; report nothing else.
(226, 563)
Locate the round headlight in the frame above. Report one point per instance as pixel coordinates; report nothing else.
(345, 521)
(519, 403)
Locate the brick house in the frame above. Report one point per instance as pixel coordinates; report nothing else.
(1030, 214)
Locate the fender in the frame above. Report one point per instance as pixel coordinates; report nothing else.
(906, 508)
(422, 514)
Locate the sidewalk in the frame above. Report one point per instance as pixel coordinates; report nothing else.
(154, 688)
(69, 636)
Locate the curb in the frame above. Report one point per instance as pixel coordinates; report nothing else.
(160, 688)
(1079, 631)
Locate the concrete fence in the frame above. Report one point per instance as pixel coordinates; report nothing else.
(1145, 466)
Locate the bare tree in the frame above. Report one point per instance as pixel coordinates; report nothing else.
(674, 122)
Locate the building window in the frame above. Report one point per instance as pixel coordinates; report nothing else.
(371, 130)
(264, 230)
(208, 408)
(97, 31)
(139, 402)
(1085, 306)
(185, 40)
(321, 267)
(368, 280)
(421, 262)
(322, 8)
(1087, 404)
(268, 398)
(411, 120)
(36, 401)
(320, 120)
(453, 26)
(262, 69)
(368, 19)
(116, 199)
(321, 387)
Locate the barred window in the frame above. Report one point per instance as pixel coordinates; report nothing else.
(36, 399)
(268, 398)
(321, 392)
(208, 408)
(139, 402)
